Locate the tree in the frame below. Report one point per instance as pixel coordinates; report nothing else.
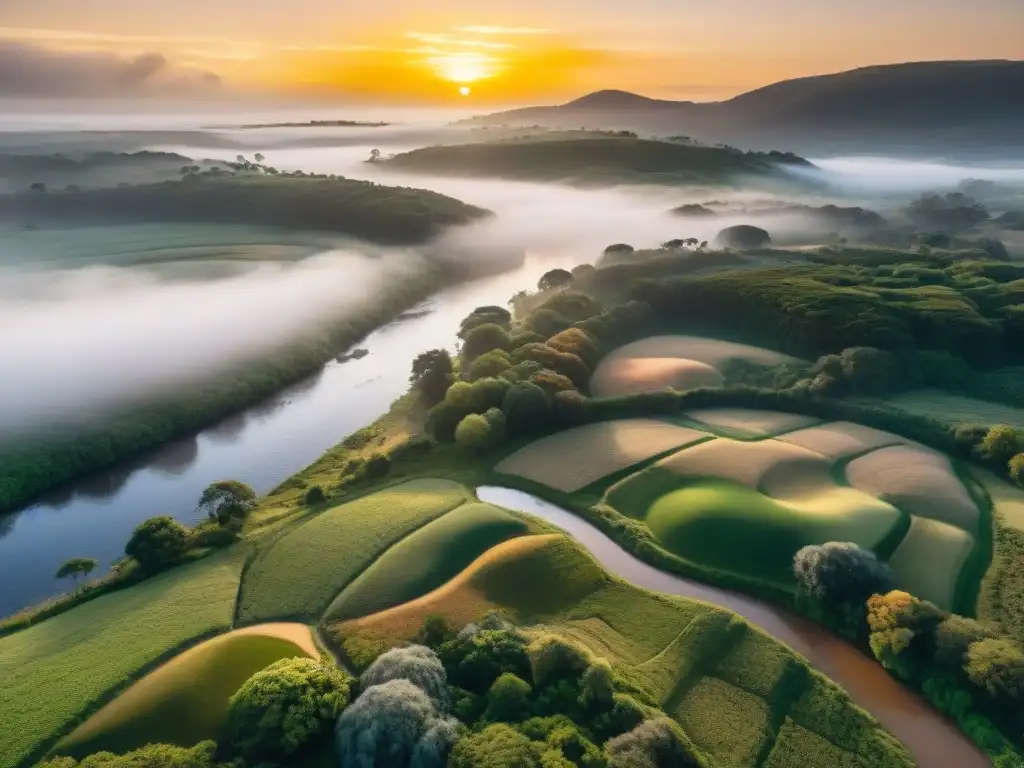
(619, 248)
(1016, 466)
(896, 619)
(490, 364)
(77, 567)
(954, 636)
(508, 699)
(481, 315)
(997, 665)
(476, 658)
(202, 755)
(282, 708)
(743, 236)
(473, 432)
(496, 746)
(554, 279)
(485, 338)
(415, 663)
(1000, 445)
(951, 213)
(227, 499)
(552, 383)
(598, 690)
(374, 155)
(432, 374)
(553, 658)
(656, 743)
(547, 322)
(841, 572)
(565, 363)
(158, 542)
(395, 724)
(526, 408)
(259, 157)
(315, 495)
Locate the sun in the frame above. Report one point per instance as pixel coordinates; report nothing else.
(465, 90)
(463, 68)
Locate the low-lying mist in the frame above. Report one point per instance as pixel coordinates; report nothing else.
(88, 340)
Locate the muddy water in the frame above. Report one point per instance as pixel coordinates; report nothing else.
(934, 741)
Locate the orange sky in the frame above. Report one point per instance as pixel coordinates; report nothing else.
(528, 51)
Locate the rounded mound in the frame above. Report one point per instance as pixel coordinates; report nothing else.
(629, 376)
(185, 701)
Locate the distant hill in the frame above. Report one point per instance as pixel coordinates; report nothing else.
(947, 107)
(600, 158)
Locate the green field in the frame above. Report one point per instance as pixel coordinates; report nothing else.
(425, 560)
(952, 409)
(182, 702)
(302, 572)
(57, 671)
(728, 526)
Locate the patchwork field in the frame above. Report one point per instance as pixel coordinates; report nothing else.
(574, 458)
(749, 423)
(56, 671)
(842, 439)
(1007, 500)
(682, 362)
(728, 684)
(936, 404)
(302, 572)
(927, 562)
(185, 700)
(425, 560)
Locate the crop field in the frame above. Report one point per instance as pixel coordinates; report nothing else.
(953, 409)
(724, 721)
(927, 562)
(528, 576)
(747, 463)
(684, 362)
(575, 458)
(1007, 500)
(301, 573)
(54, 672)
(185, 701)
(425, 560)
(840, 439)
(922, 482)
(749, 423)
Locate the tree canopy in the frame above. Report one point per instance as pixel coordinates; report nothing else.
(158, 542)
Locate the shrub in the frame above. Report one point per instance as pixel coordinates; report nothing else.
(570, 408)
(485, 338)
(553, 658)
(597, 685)
(841, 572)
(460, 396)
(1000, 445)
(473, 432)
(547, 322)
(158, 542)
(315, 495)
(626, 713)
(508, 700)
(526, 408)
(743, 236)
(578, 342)
(482, 315)
(431, 374)
(227, 499)
(552, 383)
(657, 743)
(490, 365)
(496, 746)
(553, 279)
(573, 305)
(574, 747)
(564, 363)
(953, 636)
(475, 660)
(394, 724)
(496, 419)
(202, 755)
(997, 666)
(435, 631)
(896, 619)
(442, 420)
(522, 338)
(284, 707)
(487, 393)
(415, 663)
(1016, 467)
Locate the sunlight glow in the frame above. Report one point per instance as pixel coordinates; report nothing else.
(463, 67)
(464, 90)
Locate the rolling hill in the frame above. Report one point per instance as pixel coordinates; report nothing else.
(964, 108)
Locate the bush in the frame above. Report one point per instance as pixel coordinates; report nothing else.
(598, 690)
(953, 636)
(202, 755)
(657, 743)
(442, 421)
(743, 236)
(395, 724)
(496, 746)
(565, 363)
(435, 631)
(553, 658)
(526, 408)
(547, 322)
(490, 365)
(473, 432)
(487, 393)
(1016, 467)
(431, 374)
(841, 572)
(227, 499)
(552, 383)
(997, 666)
(415, 663)
(1000, 445)
(485, 338)
(508, 700)
(377, 466)
(476, 659)
(284, 707)
(158, 542)
(578, 342)
(896, 620)
(315, 495)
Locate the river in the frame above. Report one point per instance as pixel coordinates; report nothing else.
(934, 741)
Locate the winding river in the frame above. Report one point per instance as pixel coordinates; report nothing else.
(933, 740)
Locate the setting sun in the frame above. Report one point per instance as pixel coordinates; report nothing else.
(464, 90)
(464, 67)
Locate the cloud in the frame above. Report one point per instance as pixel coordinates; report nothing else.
(33, 70)
(489, 30)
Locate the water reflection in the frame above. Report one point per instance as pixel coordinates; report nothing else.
(176, 457)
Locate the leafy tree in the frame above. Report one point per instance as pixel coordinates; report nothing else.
(473, 432)
(743, 236)
(485, 338)
(460, 395)
(582, 271)
(475, 659)
(1000, 445)
(158, 542)
(552, 383)
(227, 499)
(496, 746)
(522, 338)
(578, 342)
(896, 619)
(491, 313)
(487, 393)
(598, 689)
(508, 699)
(490, 364)
(395, 724)
(284, 707)
(315, 495)
(1016, 466)
(435, 631)
(619, 248)
(259, 157)
(553, 658)
(526, 408)
(997, 665)
(954, 635)
(564, 363)
(546, 322)
(377, 466)
(202, 755)
(432, 374)
(841, 572)
(573, 305)
(951, 213)
(570, 407)
(656, 743)
(442, 421)
(374, 155)
(77, 567)
(554, 279)
(415, 663)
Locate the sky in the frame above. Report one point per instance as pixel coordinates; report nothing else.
(452, 51)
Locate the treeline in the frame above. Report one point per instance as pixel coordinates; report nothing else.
(596, 157)
(29, 466)
(363, 209)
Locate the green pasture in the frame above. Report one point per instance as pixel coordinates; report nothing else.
(56, 672)
(299, 575)
(425, 560)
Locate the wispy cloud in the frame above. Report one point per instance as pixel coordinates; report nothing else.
(445, 39)
(494, 30)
